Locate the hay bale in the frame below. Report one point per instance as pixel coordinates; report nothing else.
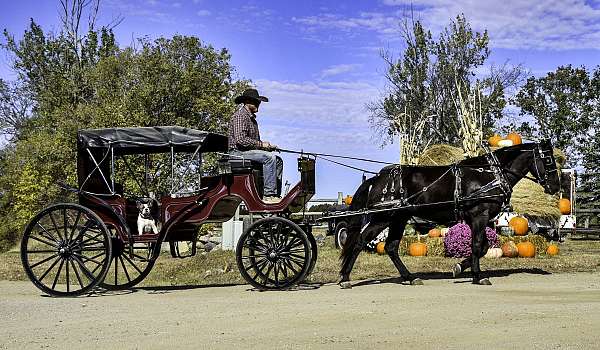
(435, 246)
(538, 241)
(528, 197)
(441, 155)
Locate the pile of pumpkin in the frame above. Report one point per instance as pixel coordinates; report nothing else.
(519, 245)
(510, 140)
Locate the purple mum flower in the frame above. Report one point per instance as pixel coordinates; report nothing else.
(458, 240)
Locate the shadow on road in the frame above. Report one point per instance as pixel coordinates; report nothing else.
(448, 276)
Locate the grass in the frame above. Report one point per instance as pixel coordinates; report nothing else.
(219, 267)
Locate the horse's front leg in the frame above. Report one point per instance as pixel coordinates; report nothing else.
(478, 248)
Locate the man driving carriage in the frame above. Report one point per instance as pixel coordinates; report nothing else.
(244, 141)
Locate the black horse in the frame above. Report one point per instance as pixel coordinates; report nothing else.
(474, 190)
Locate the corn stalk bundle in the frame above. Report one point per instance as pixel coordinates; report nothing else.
(412, 143)
(471, 120)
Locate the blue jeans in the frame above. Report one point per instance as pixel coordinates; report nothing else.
(272, 168)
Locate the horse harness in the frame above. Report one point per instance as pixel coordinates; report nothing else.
(397, 195)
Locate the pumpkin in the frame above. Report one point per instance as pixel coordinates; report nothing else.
(348, 200)
(509, 249)
(515, 138)
(444, 231)
(526, 249)
(519, 225)
(564, 205)
(493, 140)
(552, 250)
(434, 233)
(494, 253)
(417, 249)
(380, 248)
(505, 143)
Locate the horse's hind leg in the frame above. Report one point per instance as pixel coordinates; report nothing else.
(391, 248)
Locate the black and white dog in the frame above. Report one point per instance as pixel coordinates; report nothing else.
(148, 218)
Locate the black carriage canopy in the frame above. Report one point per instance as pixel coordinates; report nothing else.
(157, 139)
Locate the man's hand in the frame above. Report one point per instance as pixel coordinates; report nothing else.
(269, 146)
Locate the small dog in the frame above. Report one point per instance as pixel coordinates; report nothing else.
(147, 221)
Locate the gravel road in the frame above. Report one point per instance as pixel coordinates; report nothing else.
(521, 310)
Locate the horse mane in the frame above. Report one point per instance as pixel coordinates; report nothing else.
(504, 154)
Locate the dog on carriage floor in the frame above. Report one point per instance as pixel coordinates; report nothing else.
(148, 218)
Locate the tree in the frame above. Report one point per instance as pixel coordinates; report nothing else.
(423, 82)
(80, 78)
(562, 105)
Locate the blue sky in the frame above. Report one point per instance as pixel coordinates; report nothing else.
(318, 61)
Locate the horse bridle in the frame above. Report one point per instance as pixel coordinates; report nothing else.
(547, 157)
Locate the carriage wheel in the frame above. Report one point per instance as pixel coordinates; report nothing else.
(274, 253)
(66, 250)
(126, 271)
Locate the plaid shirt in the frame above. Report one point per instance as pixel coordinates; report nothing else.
(243, 131)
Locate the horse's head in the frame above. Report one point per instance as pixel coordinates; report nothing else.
(544, 167)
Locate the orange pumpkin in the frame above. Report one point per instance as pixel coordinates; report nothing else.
(348, 200)
(526, 249)
(519, 225)
(515, 138)
(434, 233)
(509, 249)
(552, 250)
(417, 249)
(493, 140)
(564, 205)
(380, 248)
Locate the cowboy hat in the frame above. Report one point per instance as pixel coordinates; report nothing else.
(250, 95)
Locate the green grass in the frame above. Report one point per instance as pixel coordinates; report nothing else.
(219, 267)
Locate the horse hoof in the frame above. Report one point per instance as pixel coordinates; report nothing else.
(416, 282)
(345, 285)
(484, 282)
(456, 270)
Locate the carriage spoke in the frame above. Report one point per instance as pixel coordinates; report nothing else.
(67, 272)
(43, 241)
(55, 226)
(92, 259)
(43, 261)
(62, 261)
(288, 264)
(132, 263)
(50, 268)
(76, 273)
(42, 251)
(65, 222)
(125, 269)
(283, 269)
(276, 272)
(75, 225)
(48, 234)
(89, 274)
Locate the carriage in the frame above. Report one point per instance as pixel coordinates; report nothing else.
(70, 248)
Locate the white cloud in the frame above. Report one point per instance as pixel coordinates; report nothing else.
(203, 13)
(515, 24)
(338, 69)
(337, 104)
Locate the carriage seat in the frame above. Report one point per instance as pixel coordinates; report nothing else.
(242, 166)
(246, 166)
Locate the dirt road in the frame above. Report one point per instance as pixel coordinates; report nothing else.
(518, 311)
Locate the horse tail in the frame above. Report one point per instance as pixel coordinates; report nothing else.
(355, 223)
